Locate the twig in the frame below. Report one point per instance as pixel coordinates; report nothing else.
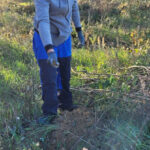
(137, 96)
(96, 74)
(89, 90)
(106, 112)
(77, 142)
(81, 139)
(140, 67)
(92, 79)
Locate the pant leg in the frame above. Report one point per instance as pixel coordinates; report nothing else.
(64, 58)
(49, 87)
(65, 95)
(48, 77)
(59, 85)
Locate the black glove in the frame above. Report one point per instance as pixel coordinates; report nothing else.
(52, 59)
(81, 38)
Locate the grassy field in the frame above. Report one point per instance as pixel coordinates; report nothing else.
(110, 80)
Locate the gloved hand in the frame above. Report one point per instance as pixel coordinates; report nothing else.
(81, 38)
(52, 59)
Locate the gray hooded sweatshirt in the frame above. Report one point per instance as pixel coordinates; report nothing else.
(53, 20)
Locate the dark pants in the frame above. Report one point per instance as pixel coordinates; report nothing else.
(48, 75)
(65, 96)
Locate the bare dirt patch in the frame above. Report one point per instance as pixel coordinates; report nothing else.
(73, 128)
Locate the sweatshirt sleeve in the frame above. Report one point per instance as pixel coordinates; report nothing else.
(76, 14)
(43, 22)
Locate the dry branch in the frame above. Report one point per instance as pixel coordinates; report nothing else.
(89, 90)
(139, 67)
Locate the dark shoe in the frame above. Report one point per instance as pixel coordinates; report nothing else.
(46, 119)
(71, 108)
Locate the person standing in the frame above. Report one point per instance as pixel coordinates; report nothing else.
(52, 49)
